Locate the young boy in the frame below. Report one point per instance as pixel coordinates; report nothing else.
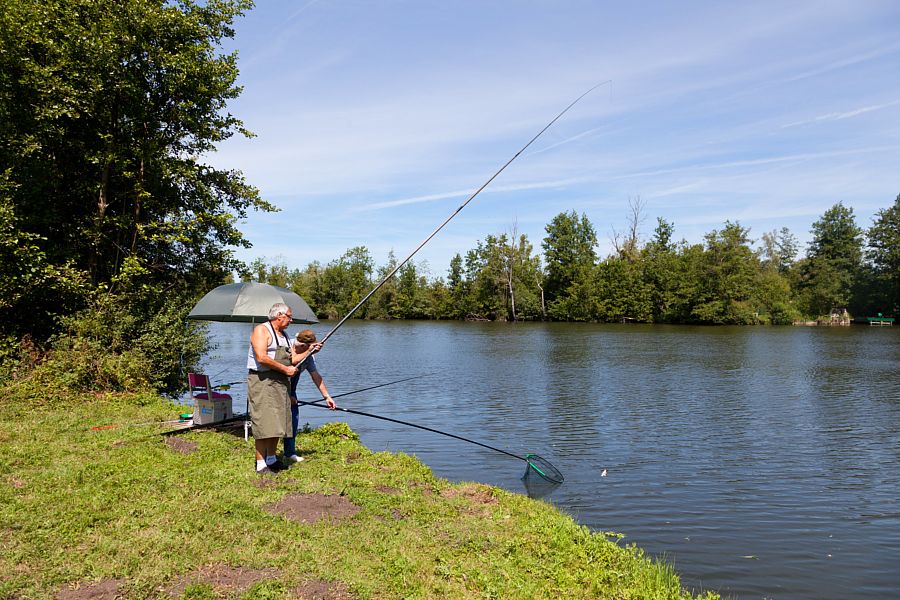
(305, 345)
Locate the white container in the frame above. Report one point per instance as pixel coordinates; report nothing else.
(210, 411)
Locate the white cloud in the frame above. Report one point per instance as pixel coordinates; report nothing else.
(366, 111)
(838, 116)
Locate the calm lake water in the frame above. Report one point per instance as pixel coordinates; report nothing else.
(761, 462)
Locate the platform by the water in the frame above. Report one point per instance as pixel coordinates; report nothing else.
(881, 321)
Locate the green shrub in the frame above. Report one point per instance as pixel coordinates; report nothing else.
(336, 430)
(119, 344)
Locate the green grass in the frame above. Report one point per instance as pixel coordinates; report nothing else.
(84, 505)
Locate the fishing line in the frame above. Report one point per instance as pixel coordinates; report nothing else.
(462, 206)
(226, 386)
(316, 402)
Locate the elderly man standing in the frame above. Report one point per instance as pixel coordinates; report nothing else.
(268, 384)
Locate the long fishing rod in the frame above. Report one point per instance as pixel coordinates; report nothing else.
(244, 416)
(462, 206)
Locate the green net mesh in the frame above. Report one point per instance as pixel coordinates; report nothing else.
(540, 477)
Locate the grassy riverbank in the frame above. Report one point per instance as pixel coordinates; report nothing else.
(92, 501)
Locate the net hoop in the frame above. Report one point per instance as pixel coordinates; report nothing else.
(541, 468)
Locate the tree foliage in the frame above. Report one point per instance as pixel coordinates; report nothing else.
(344, 283)
(107, 109)
(779, 249)
(833, 268)
(729, 272)
(569, 254)
(884, 252)
(725, 280)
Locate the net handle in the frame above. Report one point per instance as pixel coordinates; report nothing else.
(407, 423)
(526, 458)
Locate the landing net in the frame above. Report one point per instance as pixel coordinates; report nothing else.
(540, 477)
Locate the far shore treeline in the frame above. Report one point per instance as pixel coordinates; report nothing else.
(729, 279)
(112, 224)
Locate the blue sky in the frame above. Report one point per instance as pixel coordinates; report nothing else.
(375, 120)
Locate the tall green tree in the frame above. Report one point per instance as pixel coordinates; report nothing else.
(272, 273)
(485, 267)
(622, 293)
(502, 278)
(438, 298)
(837, 238)
(731, 268)
(345, 281)
(522, 276)
(691, 272)
(773, 293)
(383, 304)
(833, 267)
(779, 249)
(411, 300)
(307, 284)
(569, 253)
(774, 298)
(884, 252)
(107, 109)
(659, 258)
(457, 306)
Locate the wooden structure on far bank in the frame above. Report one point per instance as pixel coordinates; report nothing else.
(839, 317)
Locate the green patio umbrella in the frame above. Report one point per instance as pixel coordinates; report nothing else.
(249, 303)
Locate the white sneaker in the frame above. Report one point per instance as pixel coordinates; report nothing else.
(294, 458)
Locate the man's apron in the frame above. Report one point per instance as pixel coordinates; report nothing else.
(267, 392)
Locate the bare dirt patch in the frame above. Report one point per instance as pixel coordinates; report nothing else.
(311, 508)
(16, 482)
(386, 489)
(108, 589)
(265, 482)
(225, 580)
(322, 590)
(181, 445)
(475, 493)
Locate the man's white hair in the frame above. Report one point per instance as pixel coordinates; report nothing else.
(278, 309)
